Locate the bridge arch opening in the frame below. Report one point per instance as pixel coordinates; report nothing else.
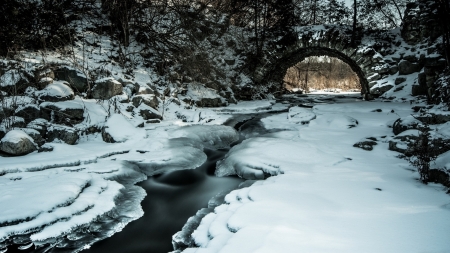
(291, 57)
(321, 73)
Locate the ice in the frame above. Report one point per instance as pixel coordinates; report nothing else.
(300, 115)
(247, 107)
(50, 203)
(215, 136)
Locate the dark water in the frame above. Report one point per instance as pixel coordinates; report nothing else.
(171, 199)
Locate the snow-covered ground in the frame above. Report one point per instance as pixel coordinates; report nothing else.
(324, 195)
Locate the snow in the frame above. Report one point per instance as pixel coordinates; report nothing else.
(247, 106)
(10, 78)
(314, 191)
(325, 195)
(16, 136)
(121, 129)
(64, 105)
(56, 89)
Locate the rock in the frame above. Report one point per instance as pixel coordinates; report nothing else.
(148, 114)
(2, 132)
(405, 67)
(418, 89)
(106, 88)
(14, 81)
(378, 91)
(422, 79)
(67, 112)
(230, 62)
(366, 145)
(35, 135)
(406, 123)
(107, 136)
(43, 82)
(432, 118)
(210, 102)
(28, 112)
(399, 80)
(118, 129)
(153, 121)
(145, 90)
(439, 176)
(56, 92)
(75, 78)
(410, 57)
(436, 61)
(393, 69)
(45, 148)
(66, 134)
(39, 125)
(17, 142)
(147, 99)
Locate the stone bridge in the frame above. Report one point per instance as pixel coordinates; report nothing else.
(383, 60)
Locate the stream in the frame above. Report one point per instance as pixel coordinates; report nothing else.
(173, 197)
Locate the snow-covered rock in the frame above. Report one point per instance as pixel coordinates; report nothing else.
(406, 123)
(17, 142)
(147, 99)
(106, 88)
(75, 78)
(28, 112)
(118, 129)
(56, 92)
(66, 134)
(66, 112)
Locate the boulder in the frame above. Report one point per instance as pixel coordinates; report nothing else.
(56, 92)
(35, 135)
(400, 80)
(14, 81)
(75, 78)
(17, 142)
(106, 88)
(43, 82)
(418, 89)
(406, 123)
(148, 114)
(118, 129)
(28, 112)
(432, 118)
(39, 125)
(66, 134)
(67, 112)
(378, 91)
(406, 67)
(366, 145)
(210, 102)
(147, 99)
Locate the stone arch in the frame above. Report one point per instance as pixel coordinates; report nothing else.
(290, 60)
(321, 40)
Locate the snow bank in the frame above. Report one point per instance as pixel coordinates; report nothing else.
(121, 129)
(327, 196)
